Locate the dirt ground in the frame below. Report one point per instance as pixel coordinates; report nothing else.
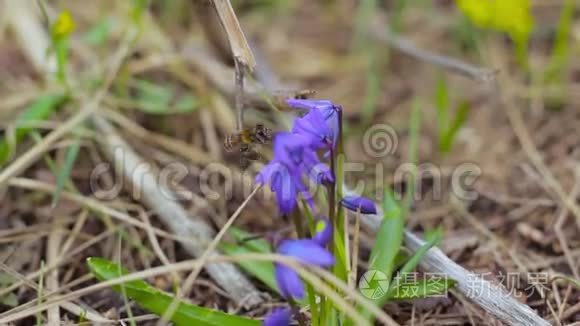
(519, 227)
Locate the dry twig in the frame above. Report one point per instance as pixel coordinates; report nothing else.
(383, 33)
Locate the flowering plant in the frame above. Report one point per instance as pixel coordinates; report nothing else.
(312, 150)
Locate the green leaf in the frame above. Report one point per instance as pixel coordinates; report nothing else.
(259, 245)
(10, 300)
(185, 104)
(362, 17)
(561, 46)
(459, 120)
(100, 32)
(434, 237)
(153, 98)
(387, 246)
(157, 301)
(423, 289)
(441, 104)
(156, 99)
(389, 237)
(412, 263)
(64, 173)
(262, 270)
(36, 112)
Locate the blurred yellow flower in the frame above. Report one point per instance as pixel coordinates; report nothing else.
(64, 25)
(510, 16)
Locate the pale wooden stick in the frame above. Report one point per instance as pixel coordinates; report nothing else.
(492, 298)
(29, 33)
(162, 200)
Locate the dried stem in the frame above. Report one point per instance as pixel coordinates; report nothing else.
(240, 48)
(383, 33)
(239, 70)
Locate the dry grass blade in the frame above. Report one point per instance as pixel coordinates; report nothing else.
(210, 250)
(68, 305)
(52, 283)
(88, 107)
(340, 302)
(238, 43)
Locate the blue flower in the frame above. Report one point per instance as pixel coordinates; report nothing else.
(323, 232)
(293, 157)
(316, 170)
(278, 317)
(306, 251)
(313, 126)
(285, 183)
(318, 111)
(354, 203)
(290, 148)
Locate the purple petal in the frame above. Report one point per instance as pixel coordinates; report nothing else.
(289, 148)
(314, 126)
(323, 232)
(354, 203)
(331, 117)
(307, 251)
(278, 317)
(284, 183)
(317, 171)
(289, 282)
(286, 193)
(266, 174)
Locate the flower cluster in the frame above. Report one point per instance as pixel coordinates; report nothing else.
(296, 158)
(296, 153)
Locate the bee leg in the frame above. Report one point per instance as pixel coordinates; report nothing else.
(260, 138)
(253, 155)
(244, 162)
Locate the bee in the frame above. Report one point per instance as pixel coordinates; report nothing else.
(246, 139)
